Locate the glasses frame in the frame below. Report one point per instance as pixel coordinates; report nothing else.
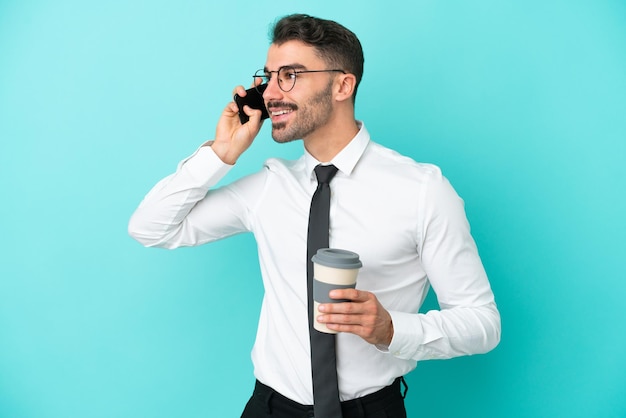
(267, 75)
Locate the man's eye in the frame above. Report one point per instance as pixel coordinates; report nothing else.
(287, 74)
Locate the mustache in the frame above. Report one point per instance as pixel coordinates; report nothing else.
(282, 105)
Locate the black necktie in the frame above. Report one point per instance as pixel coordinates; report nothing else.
(323, 362)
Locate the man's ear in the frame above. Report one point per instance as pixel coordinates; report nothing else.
(344, 87)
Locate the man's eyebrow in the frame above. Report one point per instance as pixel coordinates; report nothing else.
(294, 66)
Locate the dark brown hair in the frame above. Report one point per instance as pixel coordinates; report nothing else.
(335, 44)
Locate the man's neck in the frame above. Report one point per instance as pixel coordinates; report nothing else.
(325, 143)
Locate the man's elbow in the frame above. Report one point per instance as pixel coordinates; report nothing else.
(492, 328)
(141, 232)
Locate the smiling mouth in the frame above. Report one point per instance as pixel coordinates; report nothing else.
(280, 112)
(277, 109)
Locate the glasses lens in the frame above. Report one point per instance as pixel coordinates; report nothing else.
(265, 78)
(286, 78)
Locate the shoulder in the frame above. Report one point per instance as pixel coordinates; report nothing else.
(282, 165)
(388, 162)
(273, 169)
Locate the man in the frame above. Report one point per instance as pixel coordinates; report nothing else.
(403, 218)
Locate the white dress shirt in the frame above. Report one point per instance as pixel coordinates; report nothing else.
(403, 218)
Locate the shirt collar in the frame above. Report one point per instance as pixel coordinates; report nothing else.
(347, 158)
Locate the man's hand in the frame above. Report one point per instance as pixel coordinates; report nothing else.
(363, 316)
(231, 137)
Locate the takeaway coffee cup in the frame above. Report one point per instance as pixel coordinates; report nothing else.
(332, 269)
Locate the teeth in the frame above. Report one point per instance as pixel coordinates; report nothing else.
(281, 112)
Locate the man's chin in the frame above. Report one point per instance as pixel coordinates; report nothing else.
(280, 140)
(279, 133)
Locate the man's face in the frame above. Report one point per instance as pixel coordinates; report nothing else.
(308, 106)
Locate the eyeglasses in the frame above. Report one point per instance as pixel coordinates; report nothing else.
(287, 76)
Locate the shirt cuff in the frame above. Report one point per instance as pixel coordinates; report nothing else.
(205, 164)
(407, 335)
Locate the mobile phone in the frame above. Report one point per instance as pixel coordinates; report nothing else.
(254, 99)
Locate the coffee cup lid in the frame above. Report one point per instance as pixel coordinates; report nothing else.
(337, 258)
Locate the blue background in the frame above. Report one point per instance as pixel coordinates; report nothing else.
(521, 103)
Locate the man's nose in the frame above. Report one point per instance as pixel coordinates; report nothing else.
(272, 92)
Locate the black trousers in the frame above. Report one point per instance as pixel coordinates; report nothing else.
(386, 403)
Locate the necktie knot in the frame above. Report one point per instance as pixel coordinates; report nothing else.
(325, 173)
